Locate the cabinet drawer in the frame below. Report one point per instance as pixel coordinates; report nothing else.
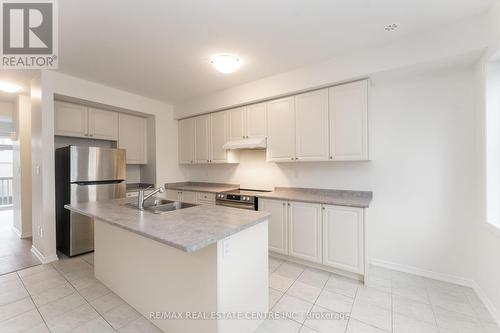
(203, 196)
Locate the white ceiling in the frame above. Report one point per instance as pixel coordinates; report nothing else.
(161, 49)
(21, 78)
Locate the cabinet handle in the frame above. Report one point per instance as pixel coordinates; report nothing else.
(291, 158)
(331, 157)
(296, 158)
(284, 204)
(288, 205)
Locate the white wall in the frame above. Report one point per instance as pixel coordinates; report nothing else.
(167, 169)
(421, 174)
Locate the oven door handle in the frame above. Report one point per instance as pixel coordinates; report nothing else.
(235, 205)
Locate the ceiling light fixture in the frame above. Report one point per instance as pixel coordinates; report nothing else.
(391, 27)
(9, 87)
(226, 63)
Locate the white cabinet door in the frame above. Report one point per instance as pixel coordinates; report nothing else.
(278, 224)
(189, 197)
(186, 141)
(281, 130)
(103, 124)
(237, 123)
(305, 231)
(132, 137)
(349, 121)
(70, 119)
(173, 195)
(218, 133)
(343, 238)
(311, 126)
(202, 139)
(256, 121)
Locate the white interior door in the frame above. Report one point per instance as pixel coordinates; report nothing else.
(281, 130)
(343, 238)
(305, 231)
(311, 126)
(278, 224)
(349, 121)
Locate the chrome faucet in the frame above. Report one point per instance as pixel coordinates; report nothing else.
(141, 198)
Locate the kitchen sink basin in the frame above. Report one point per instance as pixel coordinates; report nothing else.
(160, 206)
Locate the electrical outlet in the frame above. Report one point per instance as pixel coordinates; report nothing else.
(37, 170)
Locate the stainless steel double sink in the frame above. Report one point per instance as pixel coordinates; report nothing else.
(161, 206)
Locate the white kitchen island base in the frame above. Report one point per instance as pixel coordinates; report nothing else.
(229, 276)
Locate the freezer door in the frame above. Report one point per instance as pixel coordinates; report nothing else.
(97, 164)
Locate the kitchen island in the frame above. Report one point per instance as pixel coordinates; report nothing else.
(198, 269)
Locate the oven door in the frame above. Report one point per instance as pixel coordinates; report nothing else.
(241, 205)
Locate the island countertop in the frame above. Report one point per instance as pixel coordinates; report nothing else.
(188, 229)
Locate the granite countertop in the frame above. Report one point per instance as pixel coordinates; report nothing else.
(360, 199)
(188, 229)
(131, 187)
(202, 187)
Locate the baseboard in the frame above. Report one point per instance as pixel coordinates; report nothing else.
(495, 313)
(41, 257)
(425, 273)
(488, 303)
(21, 235)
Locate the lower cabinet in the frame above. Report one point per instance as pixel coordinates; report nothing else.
(343, 238)
(278, 224)
(330, 235)
(305, 231)
(190, 197)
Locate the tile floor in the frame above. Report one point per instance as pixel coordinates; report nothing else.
(389, 302)
(65, 297)
(15, 253)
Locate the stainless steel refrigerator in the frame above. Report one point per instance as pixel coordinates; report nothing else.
(84, 174)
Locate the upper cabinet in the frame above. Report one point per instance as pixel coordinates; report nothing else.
(328, 124)
(349, 121)
(132, 137)
(186, 141)
(80, 121)
(311, 126)
(201, 139)
(281, 130)
(248, 122)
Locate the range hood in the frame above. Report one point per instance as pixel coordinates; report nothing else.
(253, 143)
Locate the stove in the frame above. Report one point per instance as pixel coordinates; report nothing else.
(244, 199)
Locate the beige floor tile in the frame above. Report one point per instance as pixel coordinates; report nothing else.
(140, 325)
(279, 326)
(342, 285)
(33, 270)
(491, 328)
(416, 293)
(455, 321)
(279, 282)
(304, 291)
(90, 288)
(355, 326)
(107, 302)
(121, 316)
(374, 296)
(96, 325)
(13, 295)
(314, 277)
(53, 294)
(305, 329)
(274, 263)
(89, 258)
(404, 324)
(454, 300)
(380, 284)
(380, 272)
(21, 323)
(8, 277)
(274, 296)
(413, 309)
(327, 321)
(72, 319)
(42, 285)
(293, 305)
(335, 302)
(61, 306)
(290, 270)
(13, 309)
(372, 315)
